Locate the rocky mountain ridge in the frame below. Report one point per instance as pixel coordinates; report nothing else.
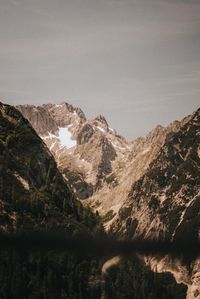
(100, 165)
(33, 191)
(35, 197)
(148, 187)
(85, 150)
(165, 202)
(171, 181)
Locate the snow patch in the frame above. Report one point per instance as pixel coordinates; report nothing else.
(117, 146)
(65, 137)
(100, 129)
(49, 136)
(52, 145)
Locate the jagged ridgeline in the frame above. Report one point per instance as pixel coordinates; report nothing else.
(33, 192)
(35, 196)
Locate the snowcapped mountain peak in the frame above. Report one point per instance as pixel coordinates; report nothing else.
(63, 137)
(73, 139)
(148, 187)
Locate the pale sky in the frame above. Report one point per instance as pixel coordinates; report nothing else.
(137, 62)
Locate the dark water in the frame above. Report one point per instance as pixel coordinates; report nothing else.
(53, 266)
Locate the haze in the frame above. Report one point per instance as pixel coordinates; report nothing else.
(136, 62)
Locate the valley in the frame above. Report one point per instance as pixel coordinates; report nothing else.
(60, 170)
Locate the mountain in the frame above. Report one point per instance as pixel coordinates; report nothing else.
(129, 169)
(99, 164)
(148, 187)
(85, 150)
(30, 180)
(165, 202)
(35, 197)
(169, 189)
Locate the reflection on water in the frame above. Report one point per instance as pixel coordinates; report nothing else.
(54, 266)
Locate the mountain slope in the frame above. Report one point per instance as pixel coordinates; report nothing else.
(148, 187)
(35, 197)
(165, 202)
(85, 150)
(98, 164)
(32, 190)
(169, 188)
(128, 169)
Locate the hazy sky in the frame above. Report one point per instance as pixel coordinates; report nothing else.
(137, 62)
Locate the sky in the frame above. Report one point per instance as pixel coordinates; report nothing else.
(137, 62)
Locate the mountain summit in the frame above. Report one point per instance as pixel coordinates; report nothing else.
(85, 150)
(33, 191)
(147, 188)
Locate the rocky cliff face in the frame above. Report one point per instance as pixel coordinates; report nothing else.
(165, 202)
(33, 193)
(148, 187)
(100, 165)
(34, 196)
(169, 189)
(84, 149)
(127, 169)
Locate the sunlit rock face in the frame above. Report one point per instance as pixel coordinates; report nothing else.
(147, 187)
(105, 169)
(33, 193)
(99, 164)
(194, 287)
(188, 274)
(85, 150)
(165, 202)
